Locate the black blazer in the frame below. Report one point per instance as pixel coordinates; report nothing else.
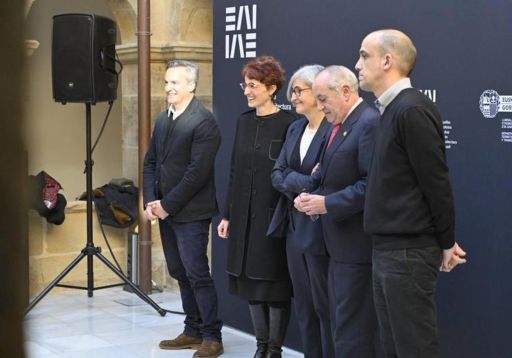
(303, 233)
(343, 177)
(178, 166)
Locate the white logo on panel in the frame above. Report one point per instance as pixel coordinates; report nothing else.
(491, 103)
(430, 93)
(240, 31)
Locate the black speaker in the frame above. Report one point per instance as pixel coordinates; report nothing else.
(83, 58)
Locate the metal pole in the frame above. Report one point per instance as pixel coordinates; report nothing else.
(88, 176)
(144, 98)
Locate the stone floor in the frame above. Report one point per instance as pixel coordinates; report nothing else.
(114, 323)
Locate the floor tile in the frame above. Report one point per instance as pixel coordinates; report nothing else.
(111, 324)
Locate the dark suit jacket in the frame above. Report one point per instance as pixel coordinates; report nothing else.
(178, 166)
(343, 176)
(304, 234)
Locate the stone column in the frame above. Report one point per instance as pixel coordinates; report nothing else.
(181, 29)
(159, 57)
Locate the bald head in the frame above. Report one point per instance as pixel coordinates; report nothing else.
(385, 57)
(400, 46)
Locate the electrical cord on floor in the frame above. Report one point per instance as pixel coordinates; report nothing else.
(117, 263)
(108, 244)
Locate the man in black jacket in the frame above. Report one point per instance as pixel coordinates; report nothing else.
(409, 207)
(179, 190)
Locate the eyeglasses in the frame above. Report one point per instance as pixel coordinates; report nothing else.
(251, 86)
(298, 91)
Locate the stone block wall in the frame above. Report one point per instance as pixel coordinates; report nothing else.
(53, 247)
(181, 29)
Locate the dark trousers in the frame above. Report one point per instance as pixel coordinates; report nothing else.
(309, 278)
(185, 246)
(404, 284)
(353, 313)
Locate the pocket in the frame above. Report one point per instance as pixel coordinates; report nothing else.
(282, 226)
(423, 265)
(274, 149)
(270, 215)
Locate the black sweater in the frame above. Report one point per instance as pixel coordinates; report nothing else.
(409, 201)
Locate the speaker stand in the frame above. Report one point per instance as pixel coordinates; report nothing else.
(90, 250)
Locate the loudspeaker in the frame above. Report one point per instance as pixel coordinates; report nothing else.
(83, 58)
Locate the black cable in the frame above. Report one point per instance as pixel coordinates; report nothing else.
(102, 127)
(117, 73)
(118, 61)
(108, 244)
(111, 103)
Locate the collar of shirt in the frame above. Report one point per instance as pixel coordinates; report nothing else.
(352, 108)
(176, 114)
(389, 95)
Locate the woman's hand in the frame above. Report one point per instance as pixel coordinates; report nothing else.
(223, 229)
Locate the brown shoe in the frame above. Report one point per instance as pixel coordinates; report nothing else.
(181, 342)
(209, 349)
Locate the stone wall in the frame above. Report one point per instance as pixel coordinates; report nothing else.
(53, 247)
(181, 29)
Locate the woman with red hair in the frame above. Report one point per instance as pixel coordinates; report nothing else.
(257, 264)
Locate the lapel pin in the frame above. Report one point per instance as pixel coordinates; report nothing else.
(345, 133)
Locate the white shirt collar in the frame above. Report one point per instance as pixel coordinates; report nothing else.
(358, 102)
(389, 95)
(176, 114)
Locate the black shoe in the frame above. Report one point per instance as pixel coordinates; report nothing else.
(261, 351)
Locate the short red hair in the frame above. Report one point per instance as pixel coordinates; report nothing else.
(265, 69)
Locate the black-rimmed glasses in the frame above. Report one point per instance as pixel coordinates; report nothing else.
(298, 91)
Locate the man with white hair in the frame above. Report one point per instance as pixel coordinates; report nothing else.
(339, 201)
(409, 207)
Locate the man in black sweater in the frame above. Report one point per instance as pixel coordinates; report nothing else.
(409, 207)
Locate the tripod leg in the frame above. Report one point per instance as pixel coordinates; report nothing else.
(90, 276)
(54, 282)
(135, 289)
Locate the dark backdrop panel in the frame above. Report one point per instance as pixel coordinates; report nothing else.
(464, 48)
